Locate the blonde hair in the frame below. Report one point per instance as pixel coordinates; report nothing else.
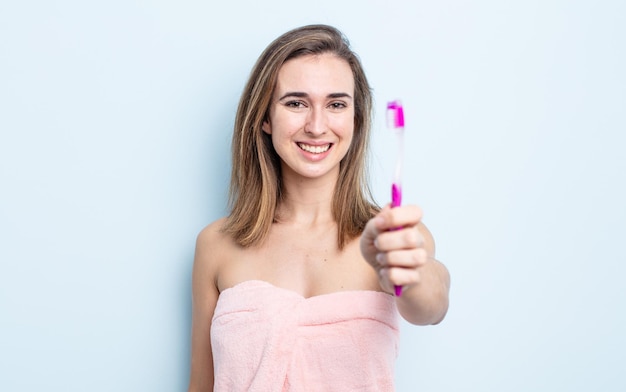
(255, 186)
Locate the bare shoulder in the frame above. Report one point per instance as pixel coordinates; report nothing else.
(211, 247)
(211, 233)
(206, 265)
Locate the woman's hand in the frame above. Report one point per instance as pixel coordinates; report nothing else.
(402, 251)
(394, 246)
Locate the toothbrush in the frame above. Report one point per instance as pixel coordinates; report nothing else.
(395, 122)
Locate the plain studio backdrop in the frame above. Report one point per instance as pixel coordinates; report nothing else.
(115, 121)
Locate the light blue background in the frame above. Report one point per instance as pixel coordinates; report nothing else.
(115, 121)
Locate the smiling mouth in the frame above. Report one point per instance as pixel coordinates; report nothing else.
(315, 149)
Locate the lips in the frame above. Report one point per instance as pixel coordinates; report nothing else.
(315, 149)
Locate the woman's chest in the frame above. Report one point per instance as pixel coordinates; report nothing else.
(308, 268)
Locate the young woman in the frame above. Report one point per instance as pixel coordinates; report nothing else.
(293, 290)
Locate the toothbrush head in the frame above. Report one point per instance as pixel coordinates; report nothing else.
(395, 114)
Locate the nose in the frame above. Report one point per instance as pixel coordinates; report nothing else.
(316, 122)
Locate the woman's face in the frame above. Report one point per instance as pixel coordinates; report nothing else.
(311, 117)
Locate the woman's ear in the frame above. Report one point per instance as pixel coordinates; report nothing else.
(266, 127)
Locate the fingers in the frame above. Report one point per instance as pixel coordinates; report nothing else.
(392, 218)
(403, 247)
(399, 245)
(400, 256)
(408, 259)
(406, 238)
(395, 247)
(390, 277)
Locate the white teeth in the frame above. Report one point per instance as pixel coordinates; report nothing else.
(314, 149)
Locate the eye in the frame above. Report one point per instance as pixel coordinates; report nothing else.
(338, 105)
(295, 104)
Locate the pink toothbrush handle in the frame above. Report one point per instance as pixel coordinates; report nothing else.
(396, 195)
(395, 121)
(396, 201)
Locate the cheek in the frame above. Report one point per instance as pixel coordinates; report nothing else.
(286, 126)
(281, 138)
(347, 128)
(349, 133)
(343, 125)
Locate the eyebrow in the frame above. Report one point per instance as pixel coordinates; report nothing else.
(298, 94)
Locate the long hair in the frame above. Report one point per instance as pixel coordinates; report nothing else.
(255, 185)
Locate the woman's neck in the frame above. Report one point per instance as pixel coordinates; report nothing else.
(307, 201)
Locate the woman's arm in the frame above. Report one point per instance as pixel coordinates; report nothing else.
(402, 251)
(204, 299)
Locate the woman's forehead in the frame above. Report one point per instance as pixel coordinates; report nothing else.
(321, 74)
